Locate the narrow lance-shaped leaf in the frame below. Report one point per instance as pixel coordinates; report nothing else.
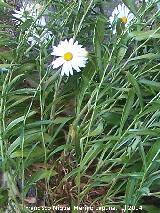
(144, 35)
(42, 174)
(98, 39)
(127, 108)
(152, 154)
(134, 83)
(17, 121)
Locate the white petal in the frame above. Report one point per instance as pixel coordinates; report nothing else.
(71, 41)
(70, 67)
(122, 11)
(42, 21)
(115, 12)
(79, 61)
(120, 14)
(65, 69)
(16, 11)
(76, 43)
(119, 8)
(65, 42)
(114, 31)
(58, 62)
(127, 11)
(111, 19)
(79, 52)
(30, 38)
(130, 17)
(17, 16)
(57, 51)
(75, 66)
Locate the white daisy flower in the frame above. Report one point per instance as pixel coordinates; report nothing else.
(29, 11)
(71, 56)
(42, 38)
(123, 13)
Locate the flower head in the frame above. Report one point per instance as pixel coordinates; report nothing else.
(30, 11)
(71, 56)
(123, 13)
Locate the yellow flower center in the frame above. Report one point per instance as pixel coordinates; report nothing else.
(124, 19)
(68, 56)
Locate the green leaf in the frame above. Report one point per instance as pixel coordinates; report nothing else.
(90, 155)
(98, 40)
(153, 107)
(23, 91)
(17, 121)
(152, 154)
(127, 108)
(13, 146)
(97, 131)
(130, 191)
(33, 153)
(13, 81)
(152, 84)
(112, 118)
(148, 56)
(151, 208)
(58, 149)
(60, 120)
(30, 137)
(121, 53)
(134, 83)
(145, 131)
(39, 123)
(144, 35)
(40, 175)
(7, 65)
(21, 100)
